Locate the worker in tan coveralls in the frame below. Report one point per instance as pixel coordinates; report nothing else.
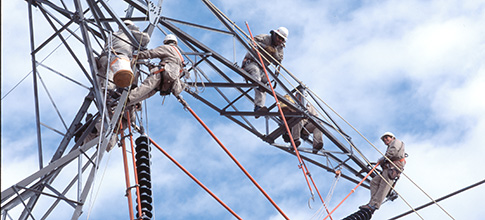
(164, 78)
(379, 188)
(273, 44)
(121, 48)
(304, 127)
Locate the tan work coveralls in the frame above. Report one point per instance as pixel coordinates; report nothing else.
(379, 188)
(171, 61)
(310, 127)
(256, 71)
(121, 47)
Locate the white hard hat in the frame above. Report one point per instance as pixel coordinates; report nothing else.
(170, 37)
(388, 134)
(128, 22)
(282, 32)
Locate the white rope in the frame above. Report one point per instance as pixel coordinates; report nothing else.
(92, 201)
(332, 189)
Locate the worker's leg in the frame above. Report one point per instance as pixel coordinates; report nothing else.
(382, 188)
(105, 73)
(295, 132)
(317, 136)
(259, 96)
(145, 90)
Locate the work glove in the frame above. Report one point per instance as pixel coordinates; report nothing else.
(271, 50)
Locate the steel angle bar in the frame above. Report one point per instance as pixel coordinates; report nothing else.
(9, 192)
(120, 23)
(64, 42)
(314, 162)
(57, 194)
(249, 127)
(64, 26)
(101, 151)
(139, 5)
(221, 84)
(68, 187)
(70, 132)
(36, 91)
(50, 176)
(65, 12)
(62, 75)
(57, 32)
(187, 38)
(52, 129)
(98, 16)
(28, 207)
(53, 104)
(339, 144)
(199, 26)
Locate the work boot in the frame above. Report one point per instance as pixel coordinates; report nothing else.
(286, 137)
(369, 207)
(259, 109)
(297, 143)
(304, 134)
(317, 147)
(115, 94)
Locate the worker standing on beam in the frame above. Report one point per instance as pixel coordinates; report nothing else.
(166, 76)
(273, 44)
(381, 184)
(304, 128)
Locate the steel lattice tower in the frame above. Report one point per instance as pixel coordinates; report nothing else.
(82, 27)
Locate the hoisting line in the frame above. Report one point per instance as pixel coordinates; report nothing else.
(353, 190)
(127, 176)
(137, 185)
(302, 163)
(194, 178)
(184, 103)
(438, 200)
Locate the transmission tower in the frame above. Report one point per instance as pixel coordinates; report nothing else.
(82, 29)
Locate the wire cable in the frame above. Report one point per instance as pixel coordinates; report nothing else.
(186, 105)
(353, 190)
(194, 178)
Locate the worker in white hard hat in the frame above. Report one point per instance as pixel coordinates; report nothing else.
(166, 76)
(381, 184)
(273, 45)
(121, 48)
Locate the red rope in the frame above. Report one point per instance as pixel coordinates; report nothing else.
(195, 179)
(353, 190)
(233, 158)
(304, 168)
(127, 177)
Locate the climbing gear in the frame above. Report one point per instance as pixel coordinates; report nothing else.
(259, 109)
(123, 75)
(353, 190)
(368, 206)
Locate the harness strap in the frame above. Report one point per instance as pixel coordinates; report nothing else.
(159, 71)
(180, 56)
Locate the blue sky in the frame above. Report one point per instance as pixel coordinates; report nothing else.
(411, 67)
